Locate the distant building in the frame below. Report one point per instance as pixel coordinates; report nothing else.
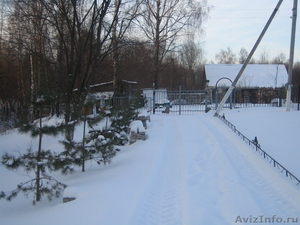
(103, 94)
(260, 83)
(125, 87)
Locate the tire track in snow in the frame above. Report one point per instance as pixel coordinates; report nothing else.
(233, 176)
(207, 180)
(164, 201)
(270, 189)
(204, 174)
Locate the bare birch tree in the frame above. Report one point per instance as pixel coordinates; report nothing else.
(263, 57)
(124, 14)
(76, 37)
(280, 59)
(226, 56)
(192, 58)
(243, 55)
(163, 22)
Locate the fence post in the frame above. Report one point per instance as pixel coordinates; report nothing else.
(217, 99)
(298, 97)
(231, 100)
(179, 99)
(261, 152)
(153, 98)
(206, 103)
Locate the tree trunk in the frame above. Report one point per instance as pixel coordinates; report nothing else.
(83, 145)
(157, 45)
(115, 52)
(68, 118)
(38, 170)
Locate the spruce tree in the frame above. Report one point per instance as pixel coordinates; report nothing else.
(123, 116)
(100, 144)
(39, 161)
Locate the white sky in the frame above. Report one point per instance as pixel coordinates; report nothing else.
(238, 23)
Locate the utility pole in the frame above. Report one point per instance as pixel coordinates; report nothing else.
(291, 61)
(247, 60)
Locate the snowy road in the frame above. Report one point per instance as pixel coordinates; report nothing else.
(203, 174)
(190, 170)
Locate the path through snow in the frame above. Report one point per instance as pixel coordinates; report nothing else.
(190, 170)
(204, 174)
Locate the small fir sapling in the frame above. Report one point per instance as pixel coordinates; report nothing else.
(39, 162)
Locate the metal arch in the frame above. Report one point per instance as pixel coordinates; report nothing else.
(222, 79)
(248, 58)
(216, 90)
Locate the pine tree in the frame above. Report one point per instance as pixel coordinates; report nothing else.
(100, 145)
(41, 162)
(122, 117)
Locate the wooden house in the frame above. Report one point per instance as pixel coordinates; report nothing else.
(259, 83)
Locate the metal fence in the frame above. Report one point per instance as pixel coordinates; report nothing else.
(163, 101)
(180, 102)
(255, 145)
(249, 97)
(294, 106)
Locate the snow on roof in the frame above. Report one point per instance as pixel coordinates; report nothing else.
(103, 95)
(255, 75)
(101, 84)
(129, 82)
(111, 82)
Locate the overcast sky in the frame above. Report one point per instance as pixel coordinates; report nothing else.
(238, 23)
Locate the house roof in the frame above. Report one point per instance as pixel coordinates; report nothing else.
(255, 75)
(111, 82)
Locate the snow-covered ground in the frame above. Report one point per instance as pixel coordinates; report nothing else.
(276, 130)
(191, 169)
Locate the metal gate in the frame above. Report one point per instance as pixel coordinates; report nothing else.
(178, 102)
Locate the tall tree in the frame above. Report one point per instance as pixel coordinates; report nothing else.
(76, 40)
(280, 59)
(243, 55)
(83, 33)
(226, 56)
(192, 57)
(122, 21)
(164, 21)
(39, 162)
(263, 57)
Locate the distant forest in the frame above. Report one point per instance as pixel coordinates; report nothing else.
(53, 47)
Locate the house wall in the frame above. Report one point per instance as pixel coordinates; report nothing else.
(250, 95)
